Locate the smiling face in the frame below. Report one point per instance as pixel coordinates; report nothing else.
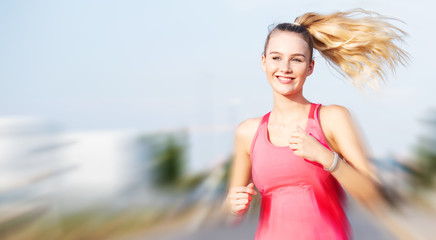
(287, 62)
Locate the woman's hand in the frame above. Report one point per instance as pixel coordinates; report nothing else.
(240, 198)
(306, 146)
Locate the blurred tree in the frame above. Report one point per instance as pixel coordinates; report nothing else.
(166, 153)
(425, 152)
(168, 163)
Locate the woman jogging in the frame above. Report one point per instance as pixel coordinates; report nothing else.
(301, 155)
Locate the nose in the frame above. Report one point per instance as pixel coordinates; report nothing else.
(286, 66)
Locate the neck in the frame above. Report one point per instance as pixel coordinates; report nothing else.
(286, 107)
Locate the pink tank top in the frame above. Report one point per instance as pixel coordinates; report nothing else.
(300, 200)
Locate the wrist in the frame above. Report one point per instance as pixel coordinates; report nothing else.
(327, 158)
(334, 164)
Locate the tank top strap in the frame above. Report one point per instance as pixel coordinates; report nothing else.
(314, 126)
(261, 125)
(314, 109)
(313, 114)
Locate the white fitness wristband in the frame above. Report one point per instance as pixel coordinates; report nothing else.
(335, 163)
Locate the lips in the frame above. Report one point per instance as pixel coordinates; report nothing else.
(285, 80)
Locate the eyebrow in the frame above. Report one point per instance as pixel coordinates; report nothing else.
(295, 54)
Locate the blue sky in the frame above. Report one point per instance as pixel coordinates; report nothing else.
(90, 65)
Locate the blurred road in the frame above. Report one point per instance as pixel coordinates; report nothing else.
(364, 228)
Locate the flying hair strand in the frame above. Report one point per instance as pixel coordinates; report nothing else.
(359, 44)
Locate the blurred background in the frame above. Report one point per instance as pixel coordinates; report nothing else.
(117, 117)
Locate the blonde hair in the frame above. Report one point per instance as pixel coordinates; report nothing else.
(359, 44)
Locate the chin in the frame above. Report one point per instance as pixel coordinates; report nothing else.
(287, 93)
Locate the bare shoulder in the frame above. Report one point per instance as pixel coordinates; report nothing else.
(332, 112)
(248, 127)
(332, 119)
(245, 132)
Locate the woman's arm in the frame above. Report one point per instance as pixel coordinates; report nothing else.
(240, 188)
(354, 174)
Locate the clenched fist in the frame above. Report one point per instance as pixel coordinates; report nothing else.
(240, 198)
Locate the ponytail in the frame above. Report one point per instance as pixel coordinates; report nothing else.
(359, 47)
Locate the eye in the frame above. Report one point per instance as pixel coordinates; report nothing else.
(297, 60)
(276, 58)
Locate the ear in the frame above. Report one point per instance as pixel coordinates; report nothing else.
(263, 60)
(311, 66)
